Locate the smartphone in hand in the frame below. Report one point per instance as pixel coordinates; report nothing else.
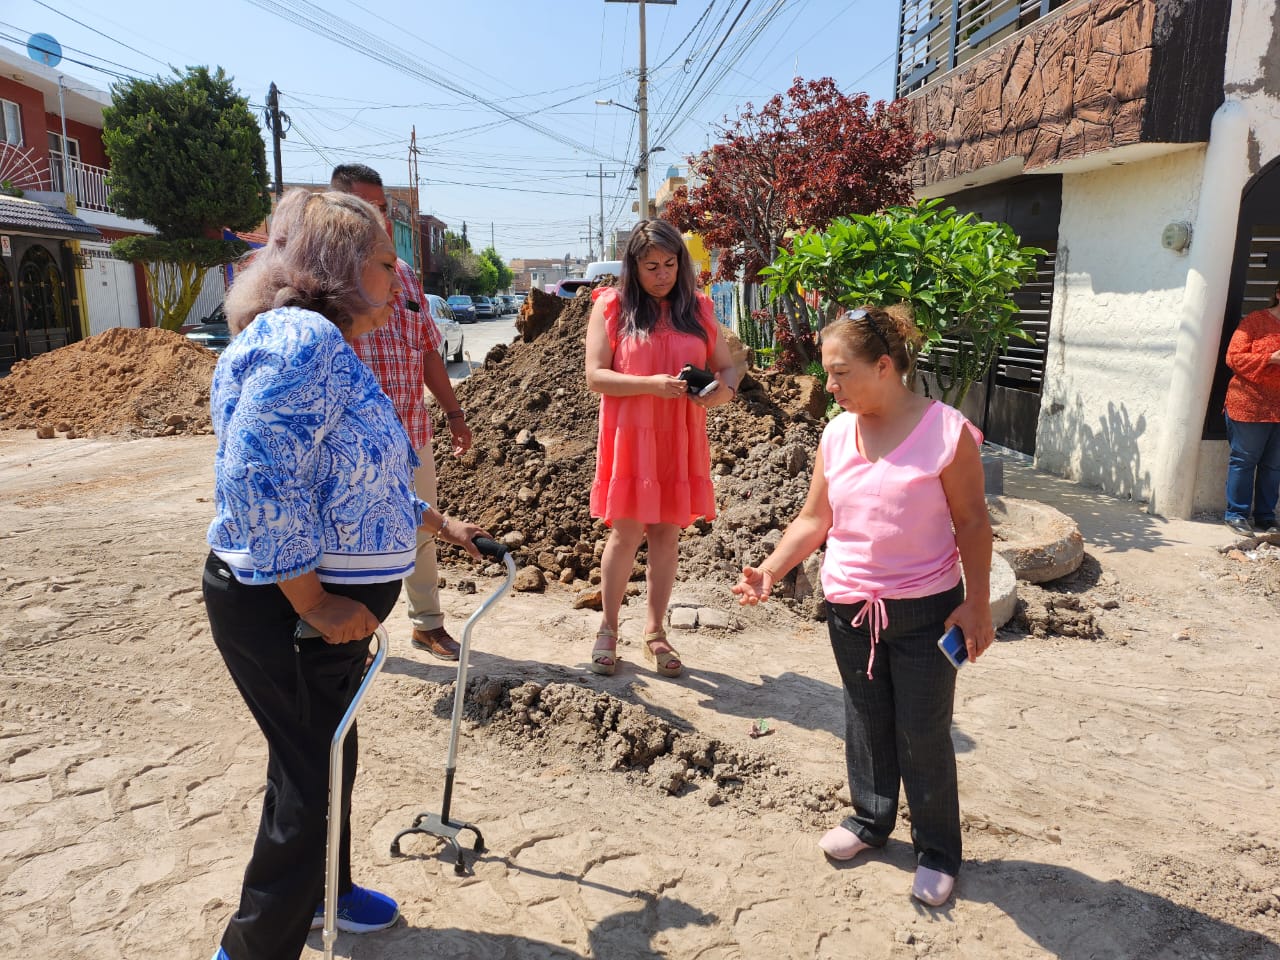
(700, 383)
(953, 647)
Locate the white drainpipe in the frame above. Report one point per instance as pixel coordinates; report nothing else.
(1213, 244)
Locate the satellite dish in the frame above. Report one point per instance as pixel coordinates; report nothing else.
(42, 48)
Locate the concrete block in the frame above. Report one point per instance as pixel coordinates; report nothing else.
(1039, 542)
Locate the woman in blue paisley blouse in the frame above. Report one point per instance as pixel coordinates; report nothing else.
(316, 520)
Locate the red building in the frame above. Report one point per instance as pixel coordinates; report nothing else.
(58, 280)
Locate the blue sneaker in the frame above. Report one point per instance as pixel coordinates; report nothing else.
(361, 911)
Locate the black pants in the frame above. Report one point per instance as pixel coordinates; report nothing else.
(898, 725)
(298, 697)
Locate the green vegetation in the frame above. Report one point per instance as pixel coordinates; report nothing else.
(957, 272)
(186, 157)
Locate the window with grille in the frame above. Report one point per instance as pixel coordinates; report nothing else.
(10, 123)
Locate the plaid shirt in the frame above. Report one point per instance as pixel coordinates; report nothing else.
(395, 353)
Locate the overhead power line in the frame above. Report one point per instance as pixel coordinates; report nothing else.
(350, 35)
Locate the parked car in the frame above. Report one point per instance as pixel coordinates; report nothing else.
(462, 308)
(509, 303)
(484, 307)
(569, 286)
(601, 268)
(211, 332)
(450, 329)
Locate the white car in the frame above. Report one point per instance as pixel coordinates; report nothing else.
(450, 329)
(600, 268)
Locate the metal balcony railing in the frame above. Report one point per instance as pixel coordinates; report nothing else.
(88, 183)
(935, 36)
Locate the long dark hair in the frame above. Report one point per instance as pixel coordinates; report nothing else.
(638, 312)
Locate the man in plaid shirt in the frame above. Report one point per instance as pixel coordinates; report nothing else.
(404, 355)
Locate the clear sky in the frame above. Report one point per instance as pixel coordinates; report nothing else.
(502, 92)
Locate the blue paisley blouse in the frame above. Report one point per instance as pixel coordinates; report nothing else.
(313, 469)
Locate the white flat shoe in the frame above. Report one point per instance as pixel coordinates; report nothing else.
(840, 843)
(933, 886)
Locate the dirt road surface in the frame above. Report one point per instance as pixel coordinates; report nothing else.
(1119, 793)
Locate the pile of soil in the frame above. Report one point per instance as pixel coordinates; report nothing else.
(528, 475)
(129, 382)
(602, 733)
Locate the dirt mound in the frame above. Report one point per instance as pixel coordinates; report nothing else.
(528, 474)
(135, 383)
(591, 729)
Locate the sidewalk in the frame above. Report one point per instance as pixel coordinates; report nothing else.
(1119, 528)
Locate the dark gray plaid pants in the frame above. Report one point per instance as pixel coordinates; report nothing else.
(898, 725)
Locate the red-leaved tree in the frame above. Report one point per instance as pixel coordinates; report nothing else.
(800, 161)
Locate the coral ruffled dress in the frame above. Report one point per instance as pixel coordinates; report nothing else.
(652, 461)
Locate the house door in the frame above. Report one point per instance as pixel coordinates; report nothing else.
(43, 299)
(1254, 274)
(10, 346)
(111, 296)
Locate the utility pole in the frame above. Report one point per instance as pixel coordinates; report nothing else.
(602, 176)
(642, 101)
(492, 246)
(274, 118)
(419, 255)
(589, 238)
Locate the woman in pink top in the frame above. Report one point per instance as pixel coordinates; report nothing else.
(897, 497)
(653, 466)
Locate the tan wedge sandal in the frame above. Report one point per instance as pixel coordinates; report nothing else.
(667, 663)
(604, 660)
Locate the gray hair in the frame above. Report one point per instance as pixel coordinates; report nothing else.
(316, 251)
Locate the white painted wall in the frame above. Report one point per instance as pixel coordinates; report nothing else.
(1252, 73)
(1117, 298)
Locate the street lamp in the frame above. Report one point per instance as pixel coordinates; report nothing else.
(642, 171)
(614, 103)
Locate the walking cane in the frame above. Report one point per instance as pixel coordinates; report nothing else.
(439, 824)
(335, 788)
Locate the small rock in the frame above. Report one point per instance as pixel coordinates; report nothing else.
(684, 618)
(513, 539)
(713, 618)
(466, 586)
(1109, 604)
(526, 495)
(588, 600)
(44, 432)
(530, 580)
(566, 576)
(175, 420)
(62, 426)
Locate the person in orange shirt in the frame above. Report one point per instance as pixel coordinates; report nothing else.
(1252, 412)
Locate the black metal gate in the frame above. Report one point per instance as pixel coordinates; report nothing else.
(1007, 405)
(1254, 274)
(36, 299)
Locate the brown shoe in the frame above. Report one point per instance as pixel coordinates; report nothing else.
(436, 642)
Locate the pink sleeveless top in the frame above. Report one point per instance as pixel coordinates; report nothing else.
(891, 535)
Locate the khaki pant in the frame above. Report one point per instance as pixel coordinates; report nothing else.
(422, 587)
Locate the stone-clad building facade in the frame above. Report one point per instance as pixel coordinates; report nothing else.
(1137, 142)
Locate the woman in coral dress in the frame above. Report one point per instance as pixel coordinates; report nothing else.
(653, 466)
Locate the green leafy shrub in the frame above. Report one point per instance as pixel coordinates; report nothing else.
(957, 272)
